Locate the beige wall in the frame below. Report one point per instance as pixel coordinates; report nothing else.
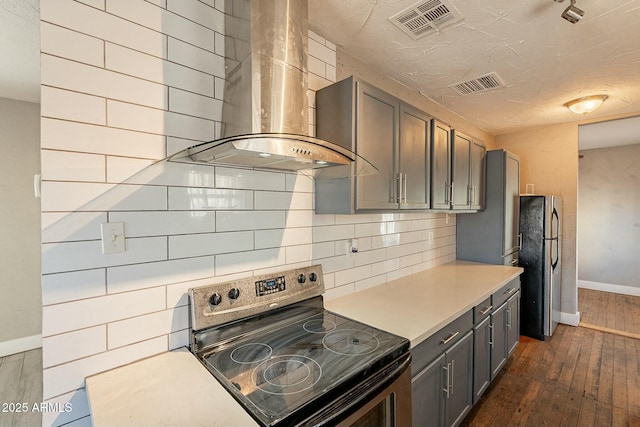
(347, 66)
(20, 301)
(549, 159)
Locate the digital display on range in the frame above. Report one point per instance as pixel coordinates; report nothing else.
(270, 286)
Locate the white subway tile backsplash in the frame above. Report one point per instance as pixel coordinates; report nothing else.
(124, 169)
(148, 67)
(85, 226)
(82, 196)
(70, 376)
(86, 138)
(143, 119)
(71, 256)
(195, 57)
(246, 261)
(332, 232)
(201, 13)
(196, 245)
(70, 44)
(92, 80)
(63, 104)
(316, 66)
(141, 328)
(139, 276)
(283, 237)
(167, 223)
(195, 105)
(182, 198)
(84, 19)
(249, 179)
(76, 285)
(249, 220)
(370, 257)
(370, 282)
(166, 22)
(70, 166)
(353, 275)
(298, 254)
(73, 345)
(280, 200)
(72, 316)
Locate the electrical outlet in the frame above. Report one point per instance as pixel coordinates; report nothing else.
(112, 237)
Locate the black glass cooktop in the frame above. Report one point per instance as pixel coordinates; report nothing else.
(302, 363)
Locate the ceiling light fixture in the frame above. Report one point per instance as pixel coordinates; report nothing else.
(572, 13)
(586, 104)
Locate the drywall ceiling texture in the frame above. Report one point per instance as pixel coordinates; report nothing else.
(20, 50)
(543, 59)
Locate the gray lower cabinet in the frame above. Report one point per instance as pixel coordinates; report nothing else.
(498, 339)
(481, 358)
(442, 392)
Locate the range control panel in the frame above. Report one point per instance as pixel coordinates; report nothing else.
(270, 286)
(219, 303)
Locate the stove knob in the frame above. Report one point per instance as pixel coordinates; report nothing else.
(234, 293)
(302, 278)
(313, 277)
(215, 299)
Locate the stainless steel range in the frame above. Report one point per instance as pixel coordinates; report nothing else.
(268, 340)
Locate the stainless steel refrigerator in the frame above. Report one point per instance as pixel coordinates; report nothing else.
(540, 256)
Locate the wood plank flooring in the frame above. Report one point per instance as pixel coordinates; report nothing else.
(579, 377)
(20, 382)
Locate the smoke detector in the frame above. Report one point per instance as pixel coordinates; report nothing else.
(480, 84)
(426, 17)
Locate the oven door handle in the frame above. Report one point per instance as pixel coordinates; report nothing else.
(337, 409)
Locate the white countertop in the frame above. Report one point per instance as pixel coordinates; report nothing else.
(171, 389)
(174, 389)
(417, 306)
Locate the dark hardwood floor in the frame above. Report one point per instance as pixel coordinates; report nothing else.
(582, 376)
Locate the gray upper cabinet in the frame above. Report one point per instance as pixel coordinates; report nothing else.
(457, 170)
(440, 166)
(415, 153)
(391, 135)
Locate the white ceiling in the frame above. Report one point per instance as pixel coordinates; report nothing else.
(543, 59)
(20, 50)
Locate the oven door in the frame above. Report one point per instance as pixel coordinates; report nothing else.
(383, 400)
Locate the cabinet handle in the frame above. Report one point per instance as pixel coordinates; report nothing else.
(509, 291)
(405, 188)
(486, 310)
(473, 194)
(399, 188)
(469, 195)
(446, 192)
(446, 388)
(491, 335)
(520, 241)
(451, 381)
(449, 338)
(509, 317)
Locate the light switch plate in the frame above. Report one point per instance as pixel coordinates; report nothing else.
(112, 237)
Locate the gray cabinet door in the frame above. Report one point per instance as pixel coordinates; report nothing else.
(511, 203)
(498, 339)
(481, 358)
(413, 168)
(513, 322)
(427, 394)
(460, 365)
(460, 167)
(440, 166)
(476, 178)
(377, 141)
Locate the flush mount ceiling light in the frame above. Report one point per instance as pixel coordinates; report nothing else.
(585, 104)
(572, 13)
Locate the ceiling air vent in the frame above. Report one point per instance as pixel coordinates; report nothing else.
(484, 83)
(425, 17)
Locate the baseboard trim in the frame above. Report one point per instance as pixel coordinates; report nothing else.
(606, 287)
(571, 319)
(20, 344)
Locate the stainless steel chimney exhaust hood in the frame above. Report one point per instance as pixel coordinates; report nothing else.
(265, 111)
